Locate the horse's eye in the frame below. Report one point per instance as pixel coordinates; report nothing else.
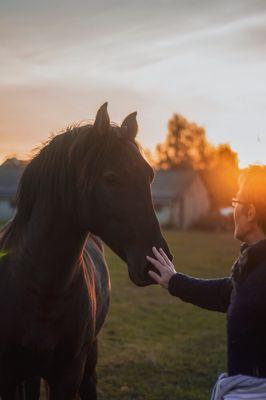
(110, 178)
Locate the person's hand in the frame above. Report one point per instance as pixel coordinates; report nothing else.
(163, 265)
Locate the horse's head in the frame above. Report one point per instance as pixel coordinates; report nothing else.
(115, 203)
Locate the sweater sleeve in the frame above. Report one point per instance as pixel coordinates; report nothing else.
(212, 294)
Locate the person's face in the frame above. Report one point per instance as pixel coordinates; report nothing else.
(242, 217)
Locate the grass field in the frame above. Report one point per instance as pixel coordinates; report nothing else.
(153, 346)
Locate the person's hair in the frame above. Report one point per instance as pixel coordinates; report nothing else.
(252, 181)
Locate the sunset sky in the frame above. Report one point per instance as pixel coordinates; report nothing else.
(61, 59)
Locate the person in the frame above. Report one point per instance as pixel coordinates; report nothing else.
(242, 295)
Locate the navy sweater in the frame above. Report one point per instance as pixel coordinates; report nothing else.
(243, 297)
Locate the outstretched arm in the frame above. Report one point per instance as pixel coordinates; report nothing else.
(212, 294)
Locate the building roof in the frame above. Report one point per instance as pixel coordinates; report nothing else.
(10, 173)
(171, 184)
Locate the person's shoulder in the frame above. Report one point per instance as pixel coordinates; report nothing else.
(252, 262)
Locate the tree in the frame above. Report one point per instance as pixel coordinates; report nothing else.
(222, 176)
(186, 145)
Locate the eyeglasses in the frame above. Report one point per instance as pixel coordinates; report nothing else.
(235, 202)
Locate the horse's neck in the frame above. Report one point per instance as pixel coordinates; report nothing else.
(52, 255)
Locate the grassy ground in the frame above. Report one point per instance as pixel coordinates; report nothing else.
(153, 346)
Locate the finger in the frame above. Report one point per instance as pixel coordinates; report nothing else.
(156, 277)
(165, 257)
(156, 263)
(158, 255)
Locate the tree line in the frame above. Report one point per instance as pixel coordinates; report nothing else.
(186, 146)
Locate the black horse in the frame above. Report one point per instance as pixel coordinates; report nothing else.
(54, 285)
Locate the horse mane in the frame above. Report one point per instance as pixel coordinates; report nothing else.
(64, 168)
(50, 178)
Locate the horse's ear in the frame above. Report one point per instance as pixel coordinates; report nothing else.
(130, 126)
(102, 120)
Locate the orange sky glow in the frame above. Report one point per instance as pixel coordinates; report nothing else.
(205, 60)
